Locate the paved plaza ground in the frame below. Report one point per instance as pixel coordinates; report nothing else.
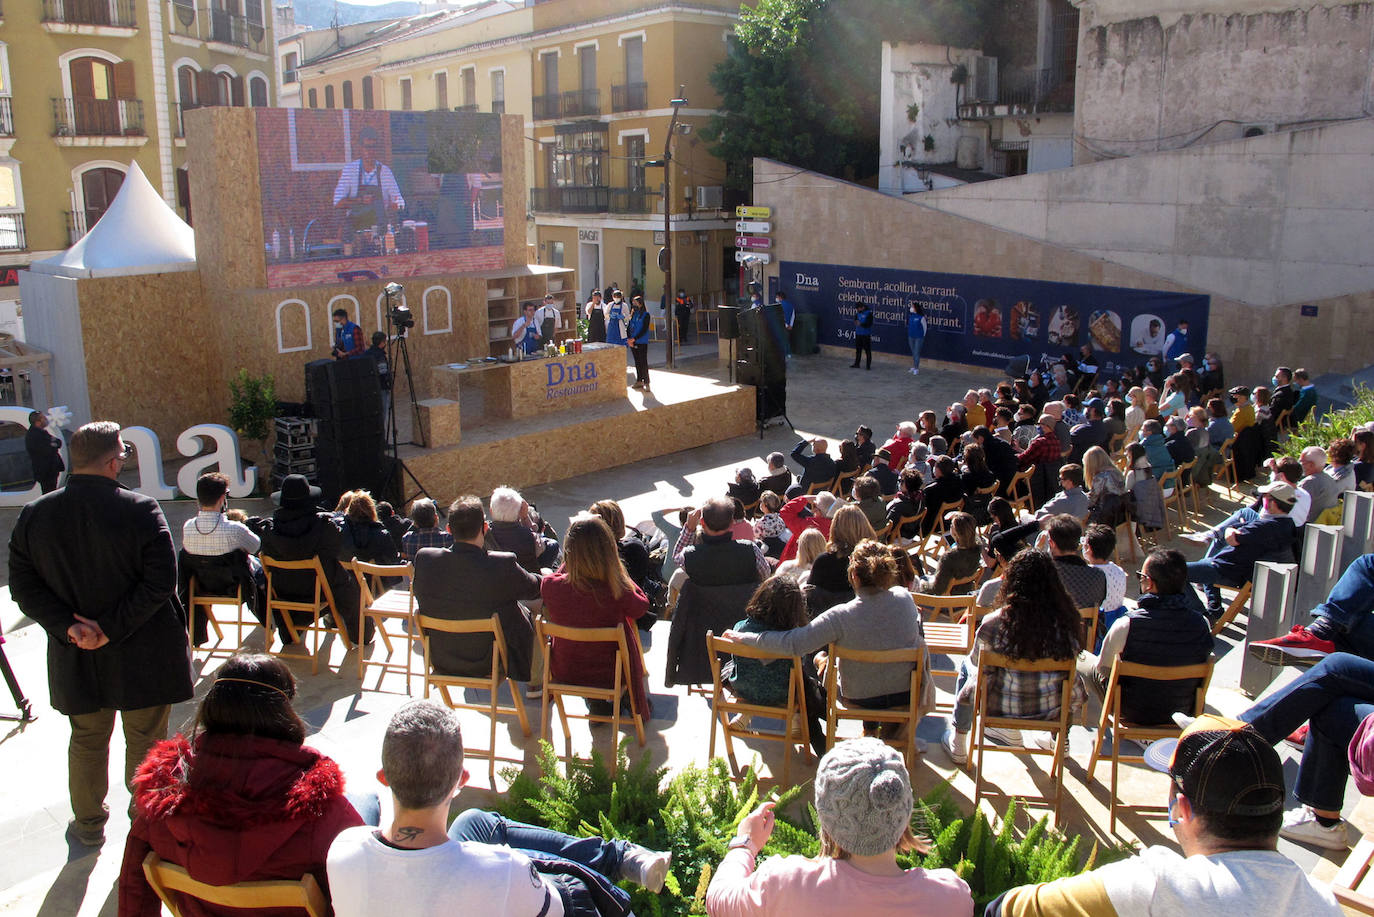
(41, 873)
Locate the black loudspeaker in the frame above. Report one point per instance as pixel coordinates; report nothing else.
(728, 318)
(350, 447)
(760, 341)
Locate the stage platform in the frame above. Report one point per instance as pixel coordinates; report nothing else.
(680, 411)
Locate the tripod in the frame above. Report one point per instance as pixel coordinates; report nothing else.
(25, 714)
(396, 346)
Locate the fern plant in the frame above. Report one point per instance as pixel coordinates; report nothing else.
(696, 813)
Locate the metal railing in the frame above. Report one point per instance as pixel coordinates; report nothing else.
(571, 199)
(80, 222)
(547, 106)
(634, 200)
(580, 102)
(472, 107)
(97, 118)
(12, 232)
(1035, 90)
(233, 29)
(630, 97)
(91, 12)
(6, 117)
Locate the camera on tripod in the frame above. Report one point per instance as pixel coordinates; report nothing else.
(400, 315)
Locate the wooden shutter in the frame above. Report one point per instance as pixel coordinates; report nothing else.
(207, 90)
(124, 80)
(236, 88)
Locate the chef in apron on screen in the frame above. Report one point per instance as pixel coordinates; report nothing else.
(367, 190)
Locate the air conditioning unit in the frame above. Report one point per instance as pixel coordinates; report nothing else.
(710, 197)
(985, 79)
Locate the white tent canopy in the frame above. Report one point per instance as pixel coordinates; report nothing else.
(138, 234)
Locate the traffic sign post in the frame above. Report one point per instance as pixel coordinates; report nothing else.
(753, 226)
(753, 213)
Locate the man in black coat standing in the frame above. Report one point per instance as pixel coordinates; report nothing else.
(95, 566)
(45, 452)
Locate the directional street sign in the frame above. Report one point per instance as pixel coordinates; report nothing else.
(753, 242)
(753, 213)
(752, 226)
(760, 257)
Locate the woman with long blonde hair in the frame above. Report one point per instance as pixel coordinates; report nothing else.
(830, 571)
(592, 589)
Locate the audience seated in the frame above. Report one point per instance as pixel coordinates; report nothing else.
(396, 526)
(517, 529)
(818, 468)
(1307, 396)
(1269, 537)
(959, 561)
(1107, 503)
(900, 444)
(907, 503)
(883, 473)
(362, 535)
(744, 488)
(944, 487)
(425, 531)
(211, 534)
(863, 443)
(769, 529)
(1156, 450)
(810, 545)
(779, 477)
(1147, 499)
(707, 553)
(241, 799)
(868, 497)
(1099, 546)
(804, 512)
(830, 571)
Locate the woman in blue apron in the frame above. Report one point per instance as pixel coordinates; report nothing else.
(616, 315)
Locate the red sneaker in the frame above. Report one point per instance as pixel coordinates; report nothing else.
(1299, 737)
(1297, 647)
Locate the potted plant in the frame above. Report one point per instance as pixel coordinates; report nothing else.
(252, 409)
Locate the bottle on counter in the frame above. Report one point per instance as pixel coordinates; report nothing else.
(389, 240)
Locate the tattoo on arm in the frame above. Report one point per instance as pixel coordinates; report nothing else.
(408, 833)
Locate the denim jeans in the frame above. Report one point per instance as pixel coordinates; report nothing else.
(1347, 610)
(963, 712)
(1242, 516)
(915, 345)
(1335, 695)
(1206, 575)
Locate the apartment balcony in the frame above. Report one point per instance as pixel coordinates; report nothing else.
(580, 103)
(547, 106)
(630, 97)
(1025, 92)
(498, 107)
(12, 232)
(634, 200)
(571, 199)
(80, 222)
(115, 17)
(6, 117)
(232, 29)
(98, 122)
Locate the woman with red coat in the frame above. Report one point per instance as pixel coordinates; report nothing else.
(592, 589)
(241, 800)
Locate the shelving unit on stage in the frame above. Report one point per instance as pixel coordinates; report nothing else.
(506, 297)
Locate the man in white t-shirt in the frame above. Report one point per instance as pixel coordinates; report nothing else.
(1226, 797)
(419, 866)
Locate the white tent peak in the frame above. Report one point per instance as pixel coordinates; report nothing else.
(139, 234)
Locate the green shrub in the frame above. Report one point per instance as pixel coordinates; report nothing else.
(696, 812)
(1320, 431)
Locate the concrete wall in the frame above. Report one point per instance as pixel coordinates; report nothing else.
(918, 74)
(1270, 220)
(871, 229)
(1201, 73)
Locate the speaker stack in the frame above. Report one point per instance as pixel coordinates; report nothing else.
(763, 361)
(350, 446)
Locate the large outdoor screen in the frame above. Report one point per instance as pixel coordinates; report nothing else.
(366, 195)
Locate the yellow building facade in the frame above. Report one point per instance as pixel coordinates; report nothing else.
(595, 83)
(87, 86)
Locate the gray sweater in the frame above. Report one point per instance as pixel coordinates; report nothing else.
(874, 620)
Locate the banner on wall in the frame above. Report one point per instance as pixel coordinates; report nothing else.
(989, 321)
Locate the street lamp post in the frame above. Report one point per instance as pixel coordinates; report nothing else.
(665, 260)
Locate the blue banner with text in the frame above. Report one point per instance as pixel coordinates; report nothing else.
(990, 321)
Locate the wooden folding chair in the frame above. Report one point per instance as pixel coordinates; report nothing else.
(322, 603)
(1190, 489)
(1175, 498)
(948, 638)
(838, 709)
(169, 881)
(941, 522)
(1228, 466)
(205, 603)
(894, 530)
(1232, 610)
(1351, 885)
(726, 705)
(1283, 423)
(1123, 730)
(379, 606)
(814, 489)
(1089, 617)
(1116, 443)
(751, 509)
(965, 585)
(1017, 499)
(841, 482)
(1058, 727)
(491, 683)
(554, 691)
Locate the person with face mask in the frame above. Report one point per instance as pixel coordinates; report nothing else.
(617, 313)
(348, 337)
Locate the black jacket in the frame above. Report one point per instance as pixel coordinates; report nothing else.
(816, 469)
(935, 495)
(370, 542)
(719, 560)
(778, 483)
(1165, 630)
(97, 549)
(45, 452)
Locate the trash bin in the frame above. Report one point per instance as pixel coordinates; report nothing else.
(804, 333)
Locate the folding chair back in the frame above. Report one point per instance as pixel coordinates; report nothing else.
(726, 706)
(948, 638)
(908, 716)
(379, 605)
(1019, 481)
(201, 600)
(167, 879)
(1089, 616)
(321, 603)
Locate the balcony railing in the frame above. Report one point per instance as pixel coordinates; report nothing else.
(634, 200)
(1026, 92)
(97, 118)
(12, 232)
(233, 29)
(498, 107)
(290, 76)
(80, 222)
(6, 117)
(547, 106)
(471, 107)
(581, 102)
(571, 199)
(630, 97)
(91, 12)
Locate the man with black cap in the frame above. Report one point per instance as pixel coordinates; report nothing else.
(1226, 795)
(1269, 537)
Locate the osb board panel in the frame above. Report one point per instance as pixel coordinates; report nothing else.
(221, 142)
(147, 359)
(565, 383)
(513, 191)
(442, 420)
(867, 228)
(547, 455)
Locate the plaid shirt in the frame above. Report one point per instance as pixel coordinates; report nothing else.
(1043, 450)
(1027, 695)
(688, 538)
(415, 539)
(209, 534)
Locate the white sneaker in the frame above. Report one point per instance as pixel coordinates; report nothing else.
(1199, 537)
(645, 867)
(955, 744)
(914, 372)
(1003, 736)
(1301, 825)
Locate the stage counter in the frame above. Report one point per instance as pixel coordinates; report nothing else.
(469, 396)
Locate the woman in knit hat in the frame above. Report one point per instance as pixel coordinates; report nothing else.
(864, 800)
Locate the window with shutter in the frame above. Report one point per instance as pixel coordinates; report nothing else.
(367, 93)
(441, 91)
(236, 91)
(257, 92)
(314, 100)
(329, 96)
(348, 94)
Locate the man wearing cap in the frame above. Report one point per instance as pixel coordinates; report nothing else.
(883, 473)
(1244, 413)
(1269, 537)
(1226, 795)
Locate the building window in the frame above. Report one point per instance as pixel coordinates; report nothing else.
(498, 91)
(469, 78)
(405, 95)
(441, 91)
(556, 254)
(329, 96)
(634, 60)
(578, 159)
(289, 66)
(550, 62)
(98, 189)
(348, 94)
(586, 63)
(634, 162)
(638, 261)
(257, 92)
(367, 93)
(314, 101)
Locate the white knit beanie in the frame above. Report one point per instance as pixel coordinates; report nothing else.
(863, 796)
